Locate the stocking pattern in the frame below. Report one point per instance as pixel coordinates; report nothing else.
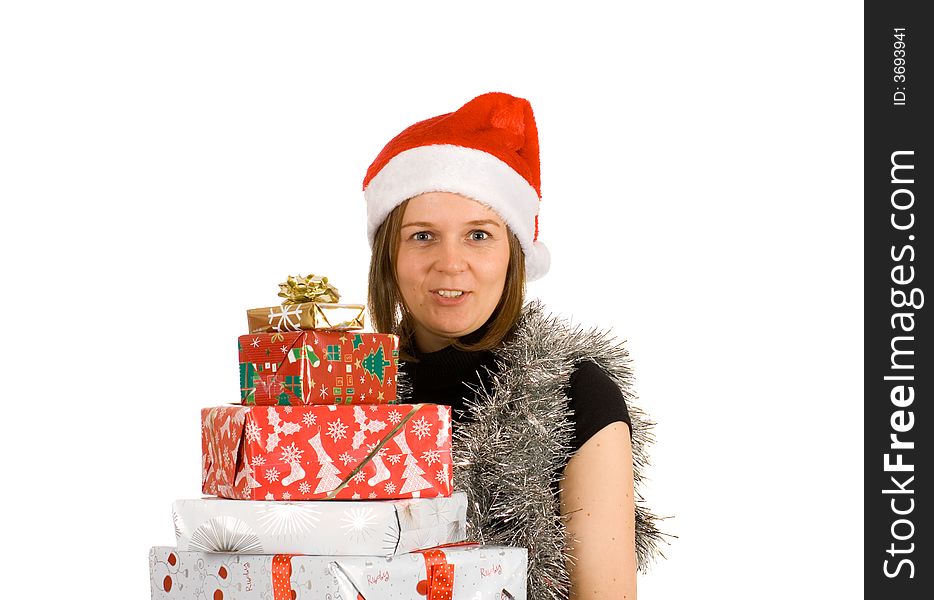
(382, 473)
(297, 473)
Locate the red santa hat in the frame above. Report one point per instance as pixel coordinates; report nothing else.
(486, 150)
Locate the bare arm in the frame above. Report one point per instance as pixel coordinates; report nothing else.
(597, 493)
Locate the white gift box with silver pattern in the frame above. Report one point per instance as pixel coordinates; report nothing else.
(327, 527)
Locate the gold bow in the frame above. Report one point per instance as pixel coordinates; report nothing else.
(310, 288)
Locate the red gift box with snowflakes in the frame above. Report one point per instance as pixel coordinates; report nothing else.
(318, 367)
(317, 452)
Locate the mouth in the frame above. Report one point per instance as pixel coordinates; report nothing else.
(445, 293)
(449, 295)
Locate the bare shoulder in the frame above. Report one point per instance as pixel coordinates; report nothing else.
(597, 499)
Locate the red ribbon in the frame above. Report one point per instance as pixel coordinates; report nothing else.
(282, 576)
(439, 576)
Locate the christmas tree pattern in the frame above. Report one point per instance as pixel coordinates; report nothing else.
(412, 478)
(246, 473)
(375, 363)
(328, 473)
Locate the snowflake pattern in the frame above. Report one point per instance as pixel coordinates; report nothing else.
(272, 474)
(252, 431)
(285, 349)
(255, 343)
(258, 461)
(443, 476)
(421, 428)
(372, 496)
(323, 391)
(308, 419)
(291, 454)
(304, 488)
(390, 488)
(362, 380)
(394, 459)
(286, 495)
(355, 496)
(345, 458)
(337, 430)
(362, 397)
(395, 417)
(359, 477)
(288, 410)
(431, 457)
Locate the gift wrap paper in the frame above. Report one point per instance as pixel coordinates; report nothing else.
(447, 573)
(339, 527)
(326, 452)
(306, 315)
(318, 367)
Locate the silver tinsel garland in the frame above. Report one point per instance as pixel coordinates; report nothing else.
(517, 438)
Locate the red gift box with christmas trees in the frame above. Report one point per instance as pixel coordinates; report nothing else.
(325, 452)
(318, 367)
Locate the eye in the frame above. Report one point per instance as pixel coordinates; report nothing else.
(421, 236)
(478, 235)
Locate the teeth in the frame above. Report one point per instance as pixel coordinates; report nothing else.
(450, 293)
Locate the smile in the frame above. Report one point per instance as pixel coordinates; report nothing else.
(449, 293)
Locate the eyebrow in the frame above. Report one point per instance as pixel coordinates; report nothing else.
(476, 223)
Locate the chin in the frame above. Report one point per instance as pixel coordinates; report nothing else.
(454, 330)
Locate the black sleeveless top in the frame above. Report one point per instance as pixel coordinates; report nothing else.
(441, 377)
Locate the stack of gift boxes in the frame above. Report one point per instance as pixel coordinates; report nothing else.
(325, 487)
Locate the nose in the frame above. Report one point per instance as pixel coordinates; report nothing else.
(451, 258)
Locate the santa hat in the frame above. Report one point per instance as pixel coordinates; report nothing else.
(486, 150)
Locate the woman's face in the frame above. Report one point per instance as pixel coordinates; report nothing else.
(451, 266)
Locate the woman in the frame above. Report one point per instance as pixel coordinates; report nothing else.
(547, 442)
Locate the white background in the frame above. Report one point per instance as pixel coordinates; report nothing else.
(164, 165)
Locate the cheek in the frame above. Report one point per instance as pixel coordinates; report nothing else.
(494, 273)
(408, 276)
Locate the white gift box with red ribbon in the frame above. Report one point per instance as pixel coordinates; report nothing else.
(459, 572)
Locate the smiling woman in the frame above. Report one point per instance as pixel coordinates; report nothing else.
(392, 311)
(452, 207)
(451, 266)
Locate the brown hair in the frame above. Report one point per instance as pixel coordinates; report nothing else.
(387, 308)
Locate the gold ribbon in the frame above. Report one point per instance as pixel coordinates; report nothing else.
(308, 288)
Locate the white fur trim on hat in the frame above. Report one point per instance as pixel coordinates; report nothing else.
(466, 171)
